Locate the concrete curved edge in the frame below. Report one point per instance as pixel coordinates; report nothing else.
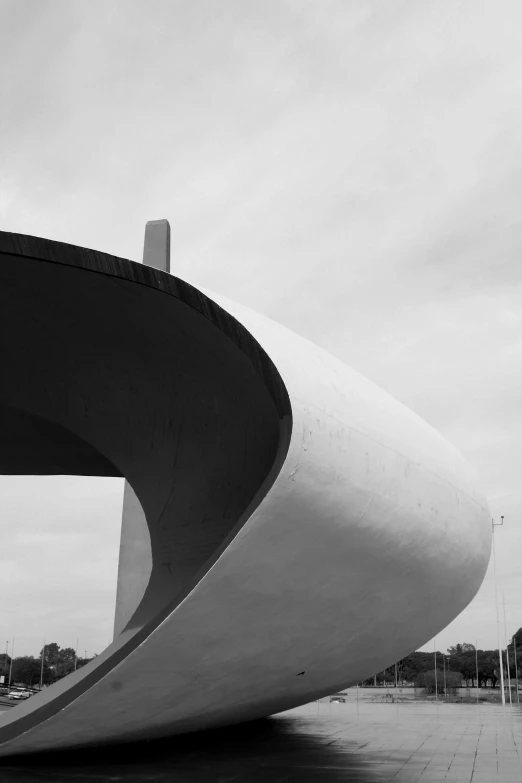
(238, 413)
(361, 535)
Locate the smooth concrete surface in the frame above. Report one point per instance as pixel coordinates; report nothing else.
(32, 445)
(306, 529)
(317, 743)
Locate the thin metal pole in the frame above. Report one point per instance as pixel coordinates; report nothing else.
(503, 695)
(41, 667)
(6, 654)
(507, 650)
(435, 654)
(516, 668)
(476, 667)
(76, 655)
(444, 669)
(11, 664)
(396, 679)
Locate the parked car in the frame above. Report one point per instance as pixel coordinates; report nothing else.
(340, 698)
(19, 694)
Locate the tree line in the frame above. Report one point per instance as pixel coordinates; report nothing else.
(461, 663)
(27, 670)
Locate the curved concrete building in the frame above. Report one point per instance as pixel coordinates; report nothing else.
(305, 528)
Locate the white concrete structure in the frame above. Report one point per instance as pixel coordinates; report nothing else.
(306, 529)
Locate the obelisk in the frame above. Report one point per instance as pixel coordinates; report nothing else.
(135, 563)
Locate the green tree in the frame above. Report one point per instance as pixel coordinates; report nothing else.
(5, 662)
(453, 681)
(462, 660)
(517, 637)
(66, 662)
(26, 671)
(516, 647)
(416, 663)
(407, 668)
(465, 663)
(67, 654)
(51, 653)
(459, 649)
(431, 684)
(61, 661)
(487, 667)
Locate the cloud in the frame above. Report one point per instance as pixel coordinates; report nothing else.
(351, 170)
(60, 544)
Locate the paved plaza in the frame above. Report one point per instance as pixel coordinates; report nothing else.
(318, 743)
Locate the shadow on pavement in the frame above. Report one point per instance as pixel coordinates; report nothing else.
(272, 749)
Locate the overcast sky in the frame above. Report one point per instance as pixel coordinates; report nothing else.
(351, 169)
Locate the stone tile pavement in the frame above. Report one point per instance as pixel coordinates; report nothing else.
(317, 743)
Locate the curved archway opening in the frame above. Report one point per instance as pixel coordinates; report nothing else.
(59, 560)
(174, 394)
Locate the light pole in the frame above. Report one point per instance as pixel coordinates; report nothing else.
(42, 665)
(516, 667)
(6, 651)
(494, 525)
(435, 659)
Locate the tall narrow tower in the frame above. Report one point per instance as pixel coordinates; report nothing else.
(135, 561)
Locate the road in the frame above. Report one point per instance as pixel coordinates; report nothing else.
(6, 704)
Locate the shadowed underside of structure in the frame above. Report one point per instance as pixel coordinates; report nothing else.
(105, 376)
(109, 378)
(272, 480)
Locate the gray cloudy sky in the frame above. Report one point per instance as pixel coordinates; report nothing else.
(351, 169)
